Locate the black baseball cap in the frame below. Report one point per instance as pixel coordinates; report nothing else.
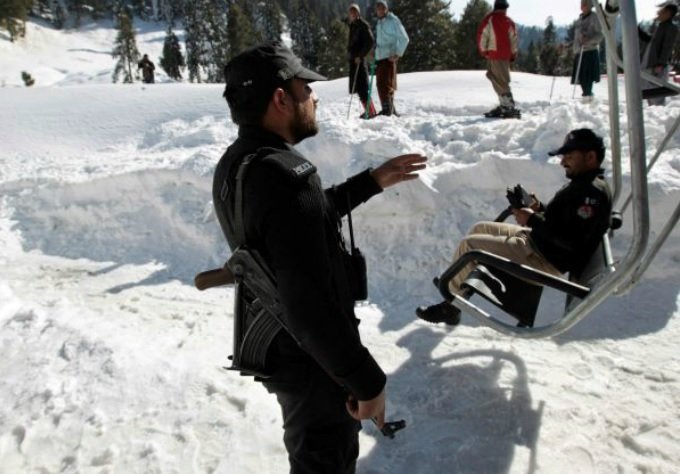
(583, 139)
(671, 6)
(263, 68)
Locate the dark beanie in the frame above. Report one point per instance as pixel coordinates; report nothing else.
(500, 5)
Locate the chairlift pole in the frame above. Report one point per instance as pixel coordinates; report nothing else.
(638, 171)
(613, 89)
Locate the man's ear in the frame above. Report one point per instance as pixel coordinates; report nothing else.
(591, 158)
(280, 99)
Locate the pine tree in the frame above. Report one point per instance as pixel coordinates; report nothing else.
(172, 60)
(140, 8)
(305, 32)
(60, 15)
(13, 16)
(125, 49)
(206, 39)
(431, 31)
(241, 32)
(332, 51)
(192, 41)
(528, 60)
(566, 52)
(267, 19)
(465, 38)
(217, 40)
(549, 57)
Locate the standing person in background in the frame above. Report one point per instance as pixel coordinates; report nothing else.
(391, 41)
(587, 38)
(359, 46)
(147, 68)
(497, 42)
(657, 55)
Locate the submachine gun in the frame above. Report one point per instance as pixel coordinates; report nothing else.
(257, 307)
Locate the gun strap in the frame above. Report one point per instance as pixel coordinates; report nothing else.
(349, 221)
(238, 200)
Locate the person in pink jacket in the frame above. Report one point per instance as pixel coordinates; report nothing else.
(497, 42)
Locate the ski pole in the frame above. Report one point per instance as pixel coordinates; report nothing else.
(577, 79)
(551, 90)
(370, 88)
(351, 94)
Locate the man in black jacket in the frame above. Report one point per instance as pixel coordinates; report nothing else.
(657, 55)
(557, 238)
(147, 68)
(359, 46)
(324, 379)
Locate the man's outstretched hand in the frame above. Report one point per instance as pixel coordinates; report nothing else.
(398, 169)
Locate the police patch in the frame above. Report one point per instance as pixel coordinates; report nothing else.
(302, 169)
(294, 165)
(585, 212)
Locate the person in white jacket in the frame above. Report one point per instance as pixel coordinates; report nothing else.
(587, 38)
(390, 43)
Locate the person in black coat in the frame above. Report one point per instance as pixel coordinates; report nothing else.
(555, 238)
(659, 50)
(359, 45)
(324, 379)
(148, 69)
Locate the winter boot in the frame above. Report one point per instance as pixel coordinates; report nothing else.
(494, 113)
(508, 109)
(386, 109)
(369, 112)
(442, 312)
(510, 112)
(393, 108)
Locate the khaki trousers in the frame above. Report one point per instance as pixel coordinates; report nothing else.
(498, 72)
(507, 240)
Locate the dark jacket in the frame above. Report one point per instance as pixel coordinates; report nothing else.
(661, 43)
(147, 68)
(571, 226)
(361, 39)
(293, 223)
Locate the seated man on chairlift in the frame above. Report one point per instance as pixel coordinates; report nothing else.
(556, 238)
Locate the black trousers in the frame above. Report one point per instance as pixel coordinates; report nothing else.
(361, 86)
(319, 434)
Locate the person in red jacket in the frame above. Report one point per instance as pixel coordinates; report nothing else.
(497, 42)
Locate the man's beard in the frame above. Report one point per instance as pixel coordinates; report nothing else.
(303, 126)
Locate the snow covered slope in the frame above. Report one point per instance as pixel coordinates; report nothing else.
(110, 361)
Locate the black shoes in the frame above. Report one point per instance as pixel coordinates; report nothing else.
(439, 313)
(503, 112)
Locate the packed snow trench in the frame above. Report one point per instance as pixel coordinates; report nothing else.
(110, 360)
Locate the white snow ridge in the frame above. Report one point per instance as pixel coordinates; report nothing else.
(111, 361)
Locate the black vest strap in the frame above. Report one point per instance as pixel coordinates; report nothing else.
(239, 226)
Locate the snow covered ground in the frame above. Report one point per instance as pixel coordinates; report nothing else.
(110, 360)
